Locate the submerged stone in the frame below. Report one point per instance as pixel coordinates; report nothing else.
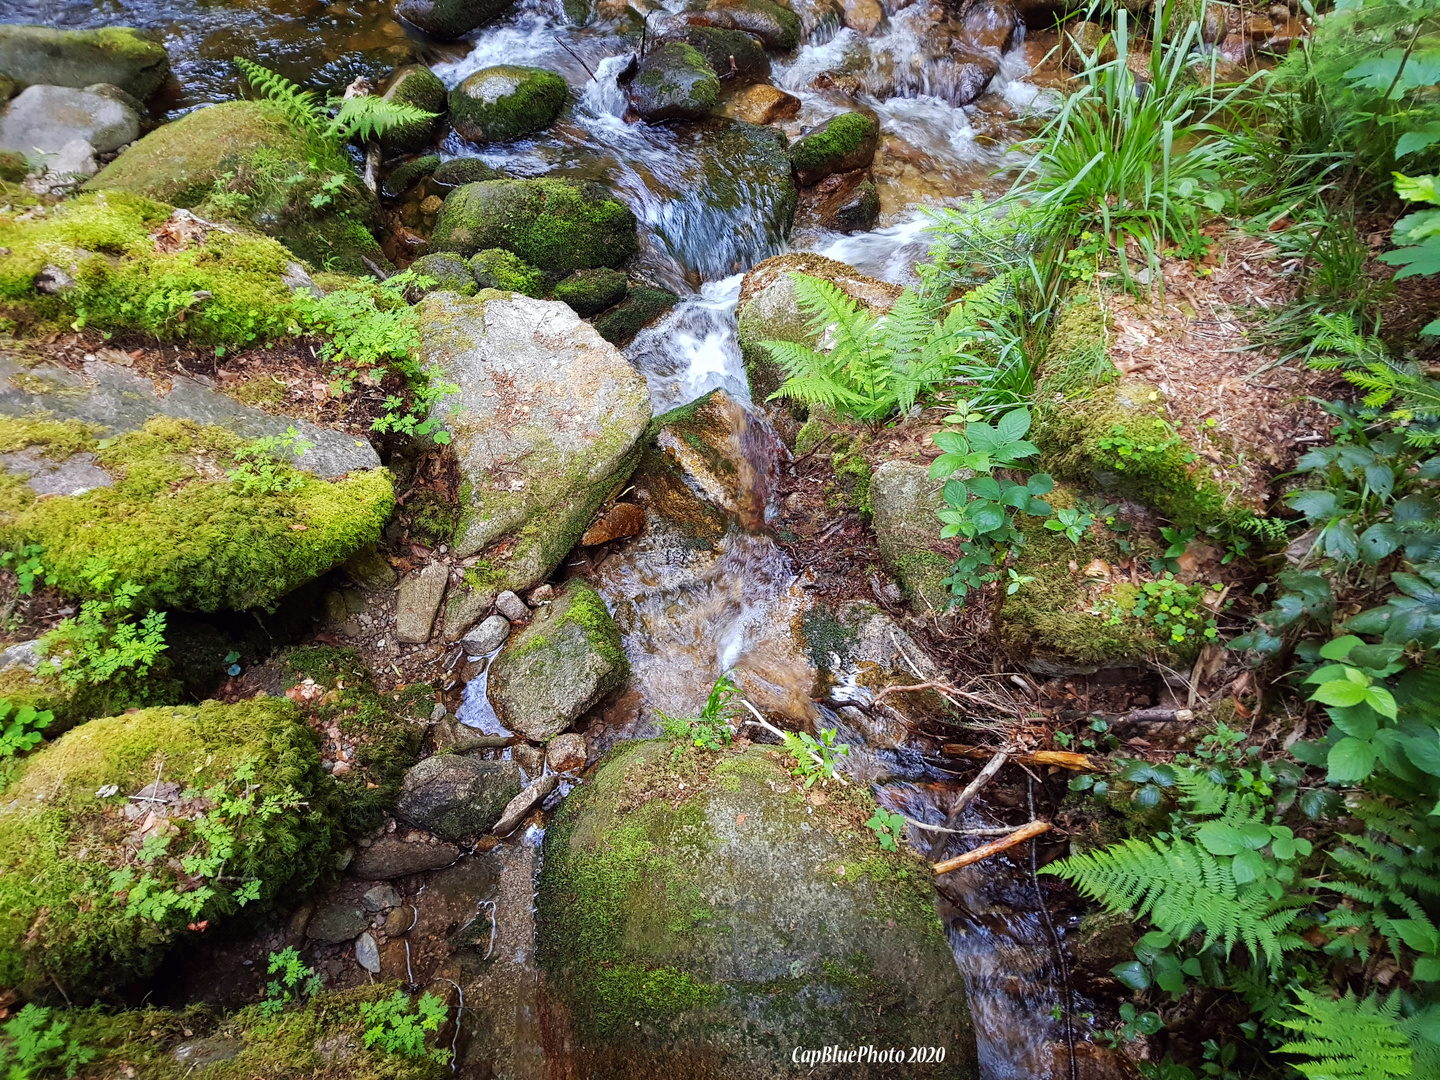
(498, 104)
(449, 19)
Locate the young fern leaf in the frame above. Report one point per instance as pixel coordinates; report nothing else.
(369, 117)
(1349, 1039)
(299, 105)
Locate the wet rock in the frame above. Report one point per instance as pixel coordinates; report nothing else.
(417, 85)
(544, 428)
(566, 753)
(621, 520)
(973, 78)
(512, 607)
(590, 292)
(777, 27)
(674, 82)
(487, 637)
(457, 797)
(844, 202)
(499, 104)
(863, 16)
(457, 171)
(399, 922)
(46, 118)
(769, 311)
(642, 307)
(750, 856)
(181, 163)
(119, 55)
(989, 26)
(368, 569)
(336, 923)
(762, 104)
(418, 601)
(394, 857)
(558, 667)
(449, 19)
(843, 143)
(367, 954)
(555, 225)
(522, 804)
(544, 594)
(735, 56)
(381, 898)
(451, 273)
(503, 270)
(530, 758)
(904, 501)
(197, 1053)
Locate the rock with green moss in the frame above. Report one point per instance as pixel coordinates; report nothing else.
(448, 20)
(465, 170)
(417, 85)
(78, 910)
(545, 427)
(559, 666)
(705, 923)
(13, 166)
(247, 162)
(503, 270)
(641, 307)
(842, 144)
(498, 104)
(450, 272)
(118, 55)
(559, 226)
(777, 27)
(673, 82)
(903, 502)
(590, 292)
(156, 505)
(733, 53)
(770, 311)
(457, 796)
(406, 175)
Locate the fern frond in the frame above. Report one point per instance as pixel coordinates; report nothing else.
(369, 117)
(300, 105)
(1349, 1038)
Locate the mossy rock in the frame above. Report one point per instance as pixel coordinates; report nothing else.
(674, 82)
(1077, 360)
(245, 161)
(417, 85)
(13, 166)
(559, 226)
(503, 270)
(118, 55)
(500, 104)
(1119, 440)
(449, 20)
(680, 444)
(903, 501)
(733, 53)
(698, 918)
(590, 292)
(466, 170)
(107, 244)
(842, 144)
(641, 307)
(776, 27)
(72, 895)
(186, 538)
(450, 272)
(559, 666)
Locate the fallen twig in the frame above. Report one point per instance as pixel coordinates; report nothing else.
(968, 795)
(1063, 758)
(945, 690)
(984, 851)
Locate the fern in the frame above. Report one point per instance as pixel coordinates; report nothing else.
(369, 117)
(1349, 1039)
(301, 106)
(364, 118)
(1366, 363)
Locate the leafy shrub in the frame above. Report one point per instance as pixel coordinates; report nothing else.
(398, 1027)
(21, 732)
(712, 729)
(259, 469)
(36, 1045)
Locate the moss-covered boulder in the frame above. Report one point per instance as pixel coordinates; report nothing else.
(407, 174)
(245, 161)
(673, 82)
(642, 306)
(504, 270)
(775, 26)
(544, 428)
(768, 310)
(118, 55)
(449, 19)
(559, 226)
(465, 170)
(92, 829)
(702, 918)
(590, 292)
(903, 501)
(841, 144)
(451, 273)
(417, 85)
(559, 666)
(498, 104)
(158, 507)
(736, 55)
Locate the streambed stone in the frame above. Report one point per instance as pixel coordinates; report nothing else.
(841, 144)
(680, 928)
(498, 104)
(457, 796)
(904, 501)
(775, 26)
(44, 119)
(449, 19)
(119, 55)
(674, 82)
(394, 857)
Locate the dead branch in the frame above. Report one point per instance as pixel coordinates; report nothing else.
(1063, 758)
(984, 851)
(967, 796)
(945, 690)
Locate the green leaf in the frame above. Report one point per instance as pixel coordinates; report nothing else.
(1342, 692)
(1132, 973)
(1013, 425)
(1418, 139)
(1340, 647)
(1220, 839)
(1350, 761)
(1247, 866)
(1381, 700)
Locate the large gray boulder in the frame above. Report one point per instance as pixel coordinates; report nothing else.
(44, 119)
(559, 666)
(118, 55)
(708, 930)
(457, 796)
(545, 427)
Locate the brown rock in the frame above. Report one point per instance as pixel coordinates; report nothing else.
(627, 519)
(391, 857)
(399, 921)
(843, 202)
(1286, 36)
(566, 753)
(1082, 39)
(863, 16)
(1258, 27)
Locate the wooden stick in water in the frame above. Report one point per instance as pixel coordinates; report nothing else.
(984, 851)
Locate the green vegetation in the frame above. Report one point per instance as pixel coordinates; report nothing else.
(21, 732)
(712, 729)
(362, 118)
(398, 1027)
(36, 1045)
(500, 269)
(295, 981)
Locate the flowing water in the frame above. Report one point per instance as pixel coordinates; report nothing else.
(708, 212)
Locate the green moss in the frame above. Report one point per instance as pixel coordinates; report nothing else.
(13, 167)
(457, 171)
(450, 273)
(852, 476)
(642, 307)
(590, 292)
(61, 919)
(406, 175)
(264, 390)
(811, 435)
(500, 269)
(838, 145)
(1076, 358)
(1120, 441)
(417, 85)
(189, 540)
(586, 609)
(825, 635)
(498, 104)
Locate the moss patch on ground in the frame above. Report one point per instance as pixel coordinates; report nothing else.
(176, 525)
(83, 883)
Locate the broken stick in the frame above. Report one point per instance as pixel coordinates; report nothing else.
(984, 851)
(968, 795)
(1063, 758)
